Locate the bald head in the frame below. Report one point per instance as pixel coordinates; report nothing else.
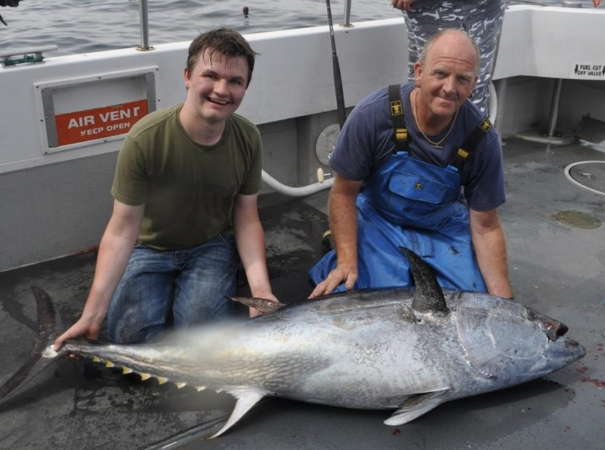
(445, 77)
(455, 39)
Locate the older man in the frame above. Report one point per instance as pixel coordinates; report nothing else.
(402, 161)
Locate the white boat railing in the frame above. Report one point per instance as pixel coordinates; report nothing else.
(347, 14)
(144, 27)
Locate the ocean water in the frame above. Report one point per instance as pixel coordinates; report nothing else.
(83, 26)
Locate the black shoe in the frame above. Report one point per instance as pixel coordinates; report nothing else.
(327, 242)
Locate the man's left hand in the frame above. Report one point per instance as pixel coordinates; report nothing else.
(255, 312)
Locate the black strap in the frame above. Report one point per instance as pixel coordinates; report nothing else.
(400, 135)
(466, 151)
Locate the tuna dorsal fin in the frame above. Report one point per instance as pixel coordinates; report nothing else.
(262, 304)
(416, 405)
(429, 295)
(245, 401)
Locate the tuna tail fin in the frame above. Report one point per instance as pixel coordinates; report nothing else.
(429, 295)
(262, 304)
(49, 327)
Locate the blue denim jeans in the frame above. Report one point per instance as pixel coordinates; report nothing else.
(190, 286)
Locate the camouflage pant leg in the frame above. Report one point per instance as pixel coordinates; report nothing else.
(481, 19)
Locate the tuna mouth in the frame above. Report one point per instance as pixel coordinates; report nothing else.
(555, 330)
(552, 328)
(562, 329)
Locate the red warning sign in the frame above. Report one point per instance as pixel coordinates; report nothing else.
(99, 123)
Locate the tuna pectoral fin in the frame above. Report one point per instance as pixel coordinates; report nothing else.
(245, 401)
(49, 327)
(262, 304)
(415, 406)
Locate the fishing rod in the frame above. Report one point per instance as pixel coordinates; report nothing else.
(340, 97)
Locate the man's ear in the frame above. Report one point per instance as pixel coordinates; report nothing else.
(417, 73)
(186, 77)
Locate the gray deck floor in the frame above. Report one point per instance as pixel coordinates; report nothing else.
(555, 268)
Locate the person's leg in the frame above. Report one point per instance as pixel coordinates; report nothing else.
(141, 303)
(446, 247)
(380, 263)
(454, 258)
(483, 22)
(426, 18)
(481, 19)
(207, 276)
(414, 43)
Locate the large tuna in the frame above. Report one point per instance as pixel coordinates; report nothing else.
(408, 349)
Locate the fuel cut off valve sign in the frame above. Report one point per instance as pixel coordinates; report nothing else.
(589, 70)
(99, 123)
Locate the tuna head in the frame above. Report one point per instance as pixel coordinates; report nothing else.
(504, 342)
(507, 343)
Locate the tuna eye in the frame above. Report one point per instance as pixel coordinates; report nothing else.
(531, 315)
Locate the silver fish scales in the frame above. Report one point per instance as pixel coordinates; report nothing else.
(408, 349)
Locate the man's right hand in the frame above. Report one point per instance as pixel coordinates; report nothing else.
(82, 328)
(114, 252)
(341, 274)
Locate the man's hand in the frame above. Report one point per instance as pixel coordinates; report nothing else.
(341, 274)
(343, 224)
(490, 247)
(404, 5)
(255, 312)
(82, 328)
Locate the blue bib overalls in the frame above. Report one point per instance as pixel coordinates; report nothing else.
(413, 204)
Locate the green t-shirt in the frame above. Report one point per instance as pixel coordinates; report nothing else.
(187, 188)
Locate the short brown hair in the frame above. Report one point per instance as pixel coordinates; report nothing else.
(225, 41)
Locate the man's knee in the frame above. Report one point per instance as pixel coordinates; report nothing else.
(138, 311)
(132, 328)
(213, 305)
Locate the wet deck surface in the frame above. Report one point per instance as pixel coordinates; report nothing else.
(555, 268)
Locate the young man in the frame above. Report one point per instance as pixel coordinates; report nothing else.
(404, 189)
(185, 205)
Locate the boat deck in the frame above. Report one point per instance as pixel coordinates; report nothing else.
(555, 268)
